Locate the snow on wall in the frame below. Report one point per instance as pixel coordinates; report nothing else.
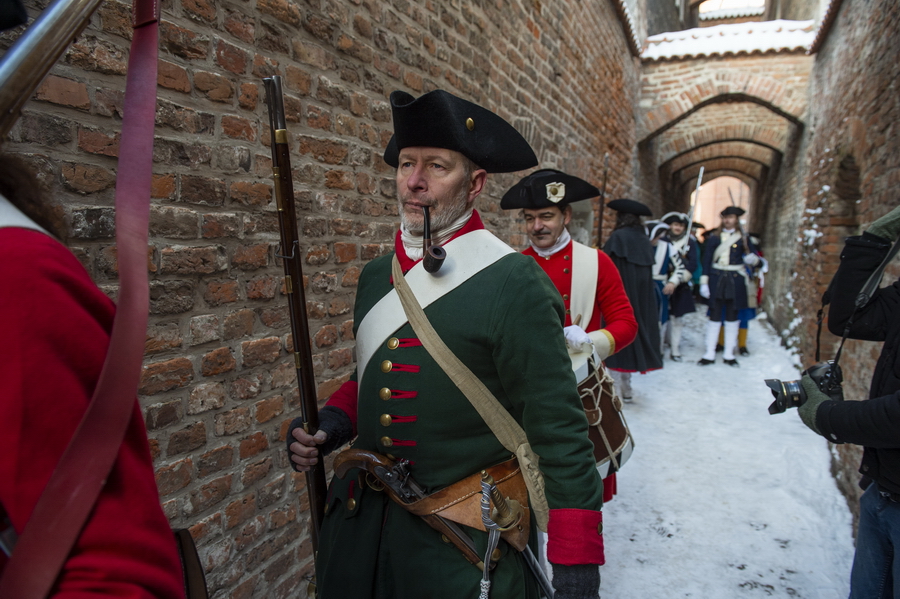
(737, 38)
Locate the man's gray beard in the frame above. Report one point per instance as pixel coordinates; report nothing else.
(439, 221)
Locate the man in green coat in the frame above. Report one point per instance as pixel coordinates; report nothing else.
(501, 316)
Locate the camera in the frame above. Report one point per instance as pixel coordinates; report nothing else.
(790, 394)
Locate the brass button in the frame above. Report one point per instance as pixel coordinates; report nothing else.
(391, 456)
(386, 420)
(566, 270)
(386, 366)
(600, 528)
(566, 297)
(393, 343)
(565, 257)
(385, 393)
(386, 441)
(496, 555)
(351, 504)
(445, 539)
(568, 311)
(734, 246)
(327, 505)
(470, 124)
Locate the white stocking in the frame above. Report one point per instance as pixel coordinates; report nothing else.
(731, 335)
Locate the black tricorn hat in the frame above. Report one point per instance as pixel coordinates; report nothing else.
(439, 119)
(629, 207)
(732, 210)
(547, 187)
(675, 217)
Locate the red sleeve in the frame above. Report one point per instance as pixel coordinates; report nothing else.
(575, 537)
(56, 331)
(345, 399)
(613, 304)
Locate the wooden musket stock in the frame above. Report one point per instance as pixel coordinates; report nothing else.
(293, 284)
(602, 201)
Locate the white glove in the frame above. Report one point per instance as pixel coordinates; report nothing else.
(704, 291)
(576, 338)
(751, 259)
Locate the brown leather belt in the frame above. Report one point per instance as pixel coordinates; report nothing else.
(457, 504)
(461, 501)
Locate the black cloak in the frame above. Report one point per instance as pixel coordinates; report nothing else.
(631, 252)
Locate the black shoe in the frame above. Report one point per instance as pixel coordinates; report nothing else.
(705, 362)
(676, 358)
(720, 348)
(743, 351)
(732, 362)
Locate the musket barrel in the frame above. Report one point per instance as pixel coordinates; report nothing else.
(290, 256)
(29, 60)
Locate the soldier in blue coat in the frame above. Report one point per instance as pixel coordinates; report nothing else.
(686, 258)
(729, 259)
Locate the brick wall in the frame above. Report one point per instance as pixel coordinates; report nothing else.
(842, 176)
(218, 386)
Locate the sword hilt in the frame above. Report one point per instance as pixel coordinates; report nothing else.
(507, 512)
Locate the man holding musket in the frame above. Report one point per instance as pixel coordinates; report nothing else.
(499, 316)
(875, 423)
(728, 260)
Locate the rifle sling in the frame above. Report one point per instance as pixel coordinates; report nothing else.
(501, 423)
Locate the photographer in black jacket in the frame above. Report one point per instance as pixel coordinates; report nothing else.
(874, 424)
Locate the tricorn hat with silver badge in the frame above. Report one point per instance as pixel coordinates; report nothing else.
(547, 187)
(439, 119)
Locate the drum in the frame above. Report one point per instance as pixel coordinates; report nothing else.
(607, 430)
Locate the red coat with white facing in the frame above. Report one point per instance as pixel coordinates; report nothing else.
(612, 310)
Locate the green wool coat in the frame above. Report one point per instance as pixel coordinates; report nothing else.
(505, 324)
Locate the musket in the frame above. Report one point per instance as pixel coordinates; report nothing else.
(36, 51)
(739, 227)
(684, 243)
(293, 285)
(602, 200)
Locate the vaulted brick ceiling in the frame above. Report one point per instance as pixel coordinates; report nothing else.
(732, 115)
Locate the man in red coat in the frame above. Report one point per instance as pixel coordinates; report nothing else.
(587, 279)
(56, 333)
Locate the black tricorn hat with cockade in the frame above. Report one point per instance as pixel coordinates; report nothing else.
(439, 119)
(547, 187)
(736, 210)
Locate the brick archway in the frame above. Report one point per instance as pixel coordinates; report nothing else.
(673, 90)
(735, 148)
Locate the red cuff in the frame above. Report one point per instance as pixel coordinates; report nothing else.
(345, 398)
(575, 537)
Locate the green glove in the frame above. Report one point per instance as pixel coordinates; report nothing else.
(888, 226)
(814, 399)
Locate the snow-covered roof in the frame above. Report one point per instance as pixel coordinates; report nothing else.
(732, 13)
(737, 38)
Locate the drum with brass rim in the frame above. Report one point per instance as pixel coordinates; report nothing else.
(608, 430)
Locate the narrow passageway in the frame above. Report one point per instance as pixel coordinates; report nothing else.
(720, 499)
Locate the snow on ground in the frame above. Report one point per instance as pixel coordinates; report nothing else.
(720, 500)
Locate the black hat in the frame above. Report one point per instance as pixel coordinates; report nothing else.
(733, 210)
(439, 119)
(658, 229)
(12, 14)
(697, 225)
(629, 207)
(547, 187)
(675, 217)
